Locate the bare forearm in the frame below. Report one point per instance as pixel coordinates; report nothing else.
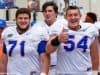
(45, 64)
(95, 65)
(3, 65)
(95, 55)
(3, 69)
(95, 62)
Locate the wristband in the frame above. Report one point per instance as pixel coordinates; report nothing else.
(42, 73)
(55, 41)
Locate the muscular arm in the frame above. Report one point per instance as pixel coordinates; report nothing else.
(3, 64)
(94, 52)
(49, 47)
(61, 38)
(45, 60)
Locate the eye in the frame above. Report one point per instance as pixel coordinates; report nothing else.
(75, 14)
(69, 15)
(26, 18)
(20, 18)
(48, 11)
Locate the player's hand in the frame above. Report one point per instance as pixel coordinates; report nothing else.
(63, 37)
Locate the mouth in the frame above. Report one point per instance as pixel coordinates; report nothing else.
(47, 18)
(74, 21)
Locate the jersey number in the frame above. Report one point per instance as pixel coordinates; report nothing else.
(81, 44)
(14, 43)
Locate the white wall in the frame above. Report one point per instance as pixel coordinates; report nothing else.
(90, 6)
(3, 14)
(86, 6)
(21, 3)
(95, 7)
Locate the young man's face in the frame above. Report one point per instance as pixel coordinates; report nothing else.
(23, 21)
(49, 14)
(88, 19)
(73, 16)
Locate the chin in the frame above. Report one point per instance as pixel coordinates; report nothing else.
(75, 24)
(24, 28)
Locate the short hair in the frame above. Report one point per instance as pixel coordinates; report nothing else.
(93, 16)
(50, 3)
(23, 10)
(72, 8)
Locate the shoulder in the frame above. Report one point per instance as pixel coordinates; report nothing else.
(92, 30)
(38, 27)
(61, 22)
(39, 30)
(89, 29)
(59, 25)
(86, 25)
(97, 25)
(8, 30)
(40, 23)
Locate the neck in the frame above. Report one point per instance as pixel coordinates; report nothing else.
(75, 28)
(49, 23)
(21, 31)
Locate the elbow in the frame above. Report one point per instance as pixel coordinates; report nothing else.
(50, 49)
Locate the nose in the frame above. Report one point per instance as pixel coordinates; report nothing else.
(23, 19)
(73, 16)
(47, 12)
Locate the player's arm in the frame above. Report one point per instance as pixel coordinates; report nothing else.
(94, 52)
(3, 65)
(3, 62)
(55, 41)
(45, 58)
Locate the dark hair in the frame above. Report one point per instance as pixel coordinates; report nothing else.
(93, 16)
(51, 3)
(72, 8)
(23, 10)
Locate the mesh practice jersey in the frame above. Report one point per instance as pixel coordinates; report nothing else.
(23, 56)
(54, 26)
(74, 55)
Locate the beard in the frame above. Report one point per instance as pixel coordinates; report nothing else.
(22, 30)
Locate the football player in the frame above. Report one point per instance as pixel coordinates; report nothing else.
(23, 46)
(75, 44)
